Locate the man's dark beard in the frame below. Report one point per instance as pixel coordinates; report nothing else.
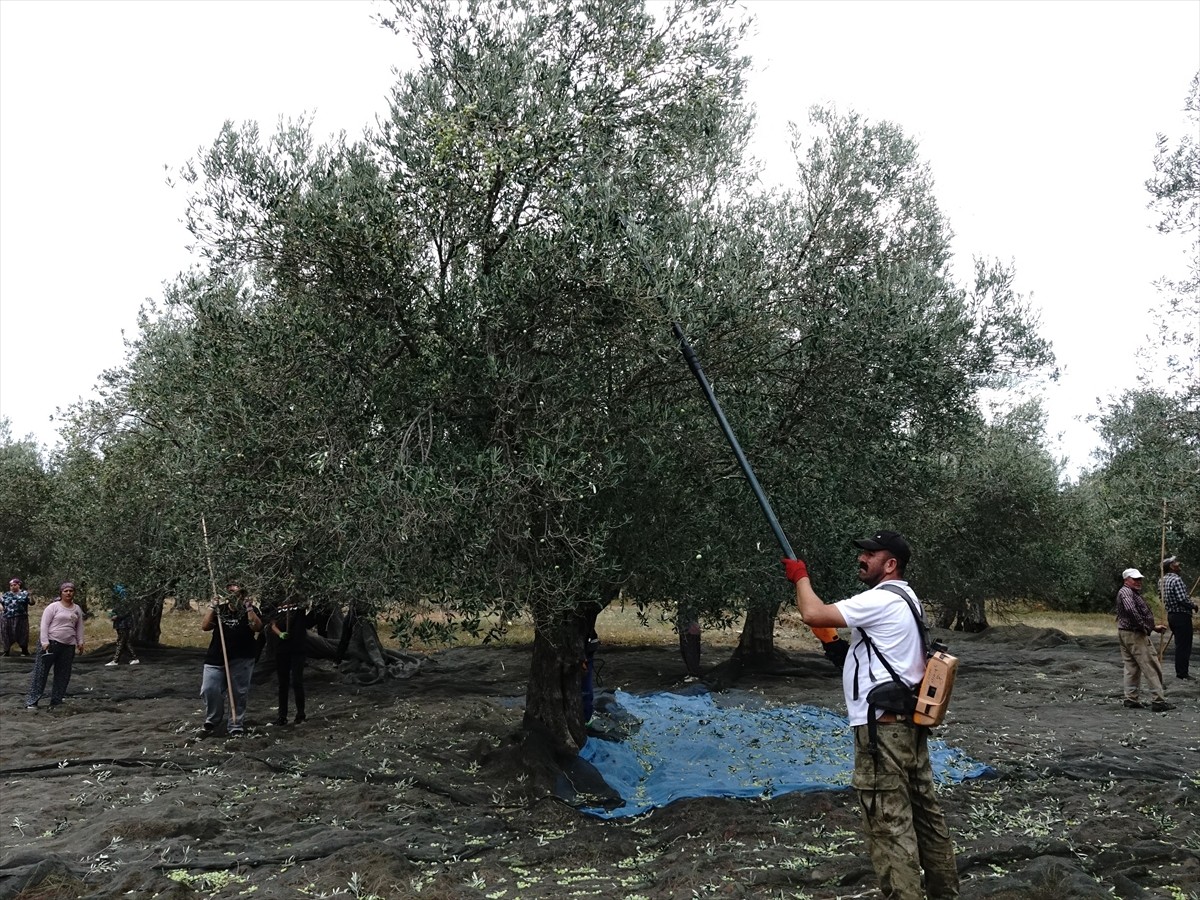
(866, 579)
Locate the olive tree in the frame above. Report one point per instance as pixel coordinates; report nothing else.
(1146, 489)
(26, 540)
(434, 367)
(867, 371)
(128, 476)
(471, 283)
(1142, 494)
(1175, 197)
(997, 526)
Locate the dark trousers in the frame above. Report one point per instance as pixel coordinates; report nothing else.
(15, 631)
(290, 669)
(1181, 627)
(689, 649)
(59, 657)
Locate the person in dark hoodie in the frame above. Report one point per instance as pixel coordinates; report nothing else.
(289, 625)
(123, 620)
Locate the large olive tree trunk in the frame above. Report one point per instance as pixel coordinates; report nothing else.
(353, 642)
(756, 649)
(147, 630)
(756, 646)
(963, 615)
(554, 700)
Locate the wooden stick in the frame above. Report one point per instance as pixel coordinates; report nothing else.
(220, 630)
(1162, 644)
(1162, 570)
(1162, 553)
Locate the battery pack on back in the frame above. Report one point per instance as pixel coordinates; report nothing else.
(933, 696)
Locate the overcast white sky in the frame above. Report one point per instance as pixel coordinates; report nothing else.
(1038, 120)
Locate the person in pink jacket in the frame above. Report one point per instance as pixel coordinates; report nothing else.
(61, 637)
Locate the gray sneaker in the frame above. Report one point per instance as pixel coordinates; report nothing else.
(1161, 706)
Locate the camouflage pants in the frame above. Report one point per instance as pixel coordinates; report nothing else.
(124, 644)
(906, 831)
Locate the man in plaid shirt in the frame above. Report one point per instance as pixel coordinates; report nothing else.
(1135, 624)
(1179, 609)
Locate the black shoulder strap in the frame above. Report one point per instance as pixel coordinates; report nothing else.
(901, 592)
(871, 648)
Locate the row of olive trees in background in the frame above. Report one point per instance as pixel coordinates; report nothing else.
(434, 368)
(1146, 489)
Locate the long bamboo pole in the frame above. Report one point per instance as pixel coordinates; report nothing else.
(1164, 639)
(1162, 570)
(1163, 643)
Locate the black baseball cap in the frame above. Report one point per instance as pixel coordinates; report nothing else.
(891, 541)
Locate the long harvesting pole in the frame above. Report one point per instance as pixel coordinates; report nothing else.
(764, 504)
(1162, 569)
(834, 646)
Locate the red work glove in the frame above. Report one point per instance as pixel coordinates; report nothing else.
(795, 569)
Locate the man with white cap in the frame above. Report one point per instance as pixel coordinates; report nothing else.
(1135, 624)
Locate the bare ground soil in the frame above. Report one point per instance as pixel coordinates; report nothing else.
(390, 790)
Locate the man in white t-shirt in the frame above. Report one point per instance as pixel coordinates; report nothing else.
(906, 830)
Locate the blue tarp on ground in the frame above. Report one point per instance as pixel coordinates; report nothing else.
(695, 746)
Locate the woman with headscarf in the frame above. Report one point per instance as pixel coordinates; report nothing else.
(14, 624)
(61, 637)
